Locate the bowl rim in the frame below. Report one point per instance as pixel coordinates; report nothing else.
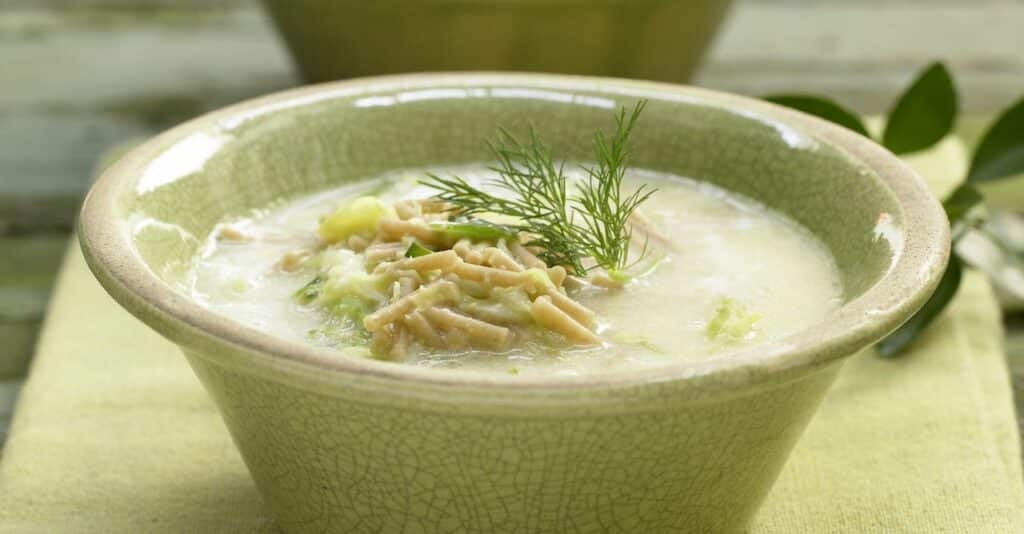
(854, 326)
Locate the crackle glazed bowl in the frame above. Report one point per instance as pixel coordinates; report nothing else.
(344, 444)
(660, 40)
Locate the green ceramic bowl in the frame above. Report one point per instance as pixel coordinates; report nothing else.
(343, 444)
(650, 39)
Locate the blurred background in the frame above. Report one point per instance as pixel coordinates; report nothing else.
(81, 78)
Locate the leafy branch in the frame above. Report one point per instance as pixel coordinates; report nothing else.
(921, 117)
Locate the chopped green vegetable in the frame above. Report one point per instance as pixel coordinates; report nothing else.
(504, 305)
(352, 307)
(416, 250)
(309, 292)
(539, 279)
(360, 217)
(348, 299)
(366, 286)
(475, 230)
(618, 276)
(640, 341)
(731, 319)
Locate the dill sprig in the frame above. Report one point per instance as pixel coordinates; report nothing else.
(594, 223)
(538, 196)
(601, 205)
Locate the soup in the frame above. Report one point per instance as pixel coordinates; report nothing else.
(384, 269)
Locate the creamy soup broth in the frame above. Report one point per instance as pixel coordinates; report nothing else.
(713, 257)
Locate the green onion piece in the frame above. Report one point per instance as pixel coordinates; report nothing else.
(475, 230)
(416, 250)
(351, 307)
(732, 320)
(309, 292)
(619, 276)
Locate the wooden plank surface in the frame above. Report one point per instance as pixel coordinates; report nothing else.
(77, 83)
(864, 51)
(79, 80)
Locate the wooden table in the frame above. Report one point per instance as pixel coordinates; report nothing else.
(79, 76)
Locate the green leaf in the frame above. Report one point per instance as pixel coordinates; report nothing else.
(1001, 151)
(416, 250)
(897, 341)
(822, 108)
(924, 114)
(961, 201)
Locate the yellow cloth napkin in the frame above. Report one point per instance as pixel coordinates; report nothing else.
(114, 434)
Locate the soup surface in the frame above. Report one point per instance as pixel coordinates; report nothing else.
(720, 272)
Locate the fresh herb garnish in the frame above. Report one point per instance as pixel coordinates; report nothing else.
(921, 117)
(601, 205)
(539, 198)
(592, 224)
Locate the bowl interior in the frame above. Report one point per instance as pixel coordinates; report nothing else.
(247, 158)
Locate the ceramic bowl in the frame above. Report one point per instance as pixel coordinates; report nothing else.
(345, 444)
(650, 39)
